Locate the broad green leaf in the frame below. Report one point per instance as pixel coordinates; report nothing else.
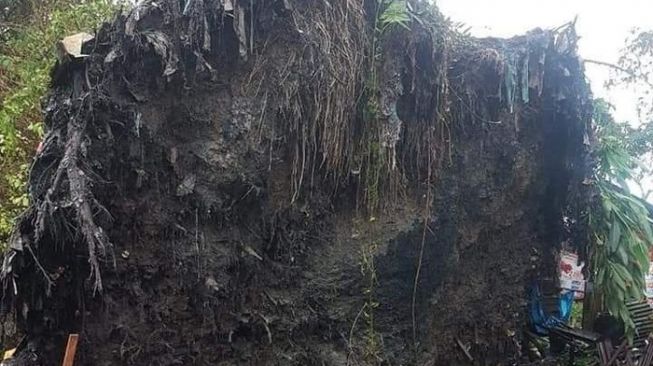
(622, 272)
(645, 224)
(618, 281)
(623, 255)
(615, 235)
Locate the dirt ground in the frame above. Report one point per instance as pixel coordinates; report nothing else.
(204, 195)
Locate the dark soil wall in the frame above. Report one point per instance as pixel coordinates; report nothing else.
(218, 178)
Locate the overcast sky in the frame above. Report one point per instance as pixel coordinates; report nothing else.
(602, 24)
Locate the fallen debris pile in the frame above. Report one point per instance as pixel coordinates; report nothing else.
(297, 183)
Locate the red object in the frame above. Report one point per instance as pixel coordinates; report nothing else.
(566, 267)
(39, 148)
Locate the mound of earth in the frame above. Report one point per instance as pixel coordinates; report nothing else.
(284, 182)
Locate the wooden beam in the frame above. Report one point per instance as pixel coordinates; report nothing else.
(71, 349)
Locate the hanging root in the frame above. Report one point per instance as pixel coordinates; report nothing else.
(321, 110)
(78, 195)
(428, 140)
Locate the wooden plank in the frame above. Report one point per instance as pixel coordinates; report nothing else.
(605, 349)
(71, 350)
(648, 354)
(615, 355)
(629, 358)
(577, 334)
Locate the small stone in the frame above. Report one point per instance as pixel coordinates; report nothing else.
(510, 332)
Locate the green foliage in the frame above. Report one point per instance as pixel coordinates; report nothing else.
(390, 14)
(394, 13)
(635, 70)
(576, 318)
(625, 139)
(27, 54)
(620, 225)
(28, 57)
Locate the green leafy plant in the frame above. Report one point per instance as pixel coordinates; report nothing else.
(620, 223)
(634, 71)
(389, 15)
(395, 13)
(576, 317)
(27, 53)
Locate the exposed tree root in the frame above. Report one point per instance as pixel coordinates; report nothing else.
(225, 149)
(72, 186)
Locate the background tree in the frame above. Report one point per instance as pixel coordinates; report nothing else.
(621, 231)
(620, 222)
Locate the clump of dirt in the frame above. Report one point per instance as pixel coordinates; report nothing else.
(297, 183)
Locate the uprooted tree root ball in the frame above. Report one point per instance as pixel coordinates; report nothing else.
(297, 183)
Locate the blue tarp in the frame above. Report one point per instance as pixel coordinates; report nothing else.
(541, 321)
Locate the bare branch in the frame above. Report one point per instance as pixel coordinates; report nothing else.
(620, 69)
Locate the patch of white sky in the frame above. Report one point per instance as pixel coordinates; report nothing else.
(603, 25)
